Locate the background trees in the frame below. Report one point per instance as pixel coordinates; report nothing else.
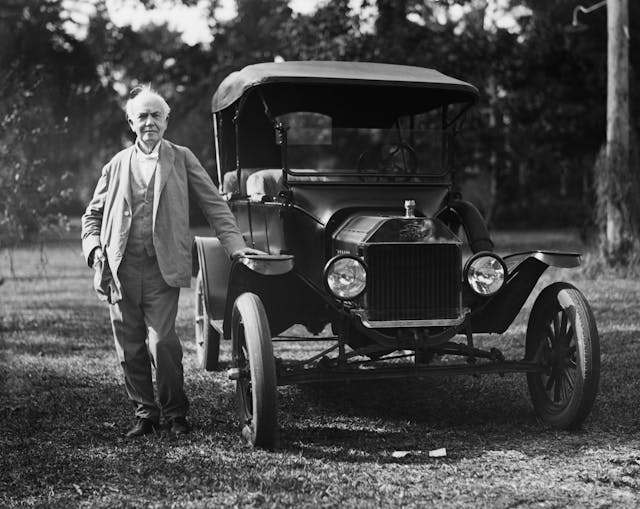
(618, 189)
(527, 154)
(47, 83)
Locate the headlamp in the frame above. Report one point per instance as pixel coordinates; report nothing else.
(485, 273)
(345, 277)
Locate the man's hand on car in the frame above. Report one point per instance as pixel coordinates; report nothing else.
(246, 251)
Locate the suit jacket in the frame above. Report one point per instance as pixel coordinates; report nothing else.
(107, 219)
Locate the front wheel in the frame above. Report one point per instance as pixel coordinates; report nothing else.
(563, 338)
(207, 338)
(256, 387)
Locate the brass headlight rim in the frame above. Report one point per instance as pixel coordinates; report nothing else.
(325, 278)
(484, 254)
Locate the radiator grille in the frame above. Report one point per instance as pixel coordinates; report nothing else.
(413, 281)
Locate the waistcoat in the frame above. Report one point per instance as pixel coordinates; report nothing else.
(141, 233)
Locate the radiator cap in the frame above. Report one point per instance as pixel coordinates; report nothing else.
(409, 208)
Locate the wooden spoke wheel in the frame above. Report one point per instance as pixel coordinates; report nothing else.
(256, 386)
(207, 338)
(562, 336)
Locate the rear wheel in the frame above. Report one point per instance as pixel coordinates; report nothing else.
(256, 386)
(207, 338)
(562, 336)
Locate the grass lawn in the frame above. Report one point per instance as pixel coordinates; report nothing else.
(63, 411)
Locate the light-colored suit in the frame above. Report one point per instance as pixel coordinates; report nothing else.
(145, 289)
(107, 220)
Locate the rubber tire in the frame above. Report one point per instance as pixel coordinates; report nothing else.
(257, 394)
(207, 338)
(573, 405)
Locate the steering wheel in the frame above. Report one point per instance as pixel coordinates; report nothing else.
(396, 158)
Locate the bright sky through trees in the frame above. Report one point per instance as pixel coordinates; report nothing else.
(192, 21)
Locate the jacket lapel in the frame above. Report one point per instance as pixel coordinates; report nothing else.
(119, 193)
(125, 177)
(164, 169)
(124, 189)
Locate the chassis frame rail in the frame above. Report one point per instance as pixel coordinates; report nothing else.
(300, 375)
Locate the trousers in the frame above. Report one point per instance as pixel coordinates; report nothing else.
(143, 325)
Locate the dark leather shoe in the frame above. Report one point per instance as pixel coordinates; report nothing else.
(142, 427)
(180, 426)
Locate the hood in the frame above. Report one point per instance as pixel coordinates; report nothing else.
(359, 230)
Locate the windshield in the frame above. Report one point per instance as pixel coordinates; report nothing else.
(316, 147)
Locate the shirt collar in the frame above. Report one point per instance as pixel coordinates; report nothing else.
(142, 154)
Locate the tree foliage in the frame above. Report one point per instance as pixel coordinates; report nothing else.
(32, 191)
(43, 70)
(527, 151)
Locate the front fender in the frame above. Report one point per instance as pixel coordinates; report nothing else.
(287, 299)
(497, 313)
(550, 258)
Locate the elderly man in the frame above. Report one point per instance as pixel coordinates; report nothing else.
(135, 233)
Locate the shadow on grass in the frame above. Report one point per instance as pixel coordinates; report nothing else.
(80, 405)
(382, 416)
(359, 420)
(465, 414)
(64, 404)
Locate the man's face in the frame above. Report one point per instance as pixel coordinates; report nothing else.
(148, 120)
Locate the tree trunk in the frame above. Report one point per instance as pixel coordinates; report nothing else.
(618, 186)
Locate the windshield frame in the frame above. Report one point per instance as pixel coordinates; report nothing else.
(446, 133)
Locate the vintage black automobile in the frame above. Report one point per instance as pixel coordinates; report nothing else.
(343, 174)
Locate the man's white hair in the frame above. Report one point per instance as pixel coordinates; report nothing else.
(146, 92)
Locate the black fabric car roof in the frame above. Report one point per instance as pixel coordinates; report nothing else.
(281, 80)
